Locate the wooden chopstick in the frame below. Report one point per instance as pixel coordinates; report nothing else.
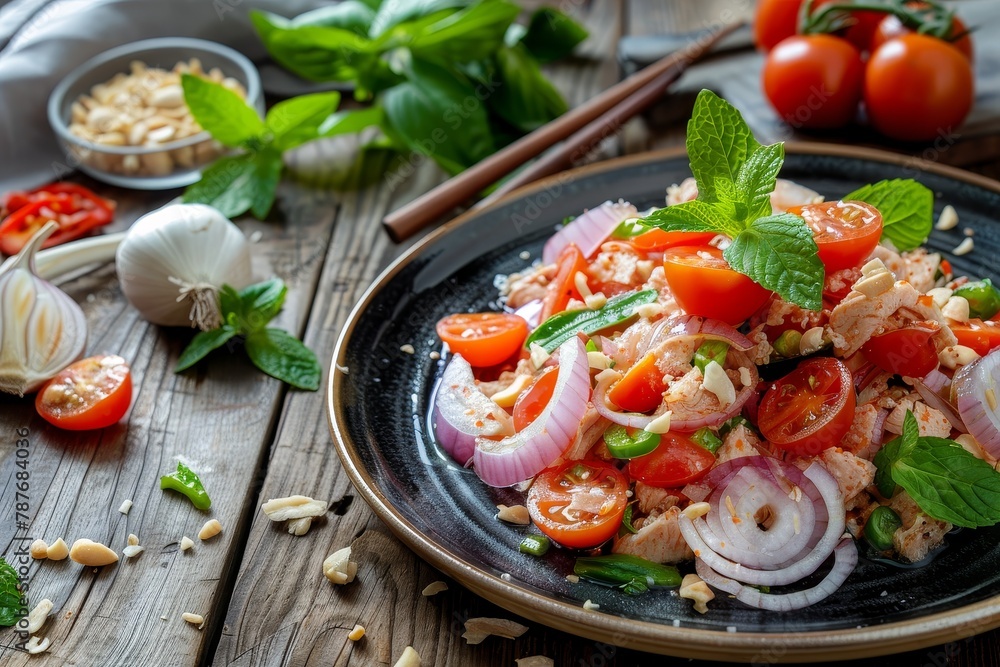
(424, 210)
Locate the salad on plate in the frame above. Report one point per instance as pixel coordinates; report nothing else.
(753, 384)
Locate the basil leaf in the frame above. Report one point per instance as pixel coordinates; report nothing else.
(552, 35)
(523, 96)
(559, 328)
(265, 176)
(220, 111)
(427, 113)
(694, 216)
(950, 484)
(907, 209)
(261, 303)
(10, 595)
(202, 344)
(757, 178)
(228, 185)
(348, 122)
(394, 12)
(296, 121)
(779, 253)
(282, 356)
(718, 143)
(349, 15)
(471, 34)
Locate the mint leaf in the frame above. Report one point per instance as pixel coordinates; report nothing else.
(230, 305)
(296, 121)
(347, 122)
(552, 35)
(202, 344)
(757, 178)
(473, 33)
(884, 460)
(283, 357)
(393, 12)
(779, 253)
(348, 15)
(220, 111)
(261, 302)
(718, 143)
(910, 435)
(264, 179)
(228, 185)
(10, 595)
(694, 216)
(907, 209)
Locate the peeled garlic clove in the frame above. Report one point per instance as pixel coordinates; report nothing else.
(42, 329)
(173, 262)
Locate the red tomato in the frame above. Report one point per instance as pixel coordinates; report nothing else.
(775, 20)
(980, 336)
(90, 394)
(703, 284)
(890, 27)
(483, 339)
(814, 81)
(917, 88)
(908, 351)
(675, 462)
(657, 240)
(563, 287)
(641, 390)
(845, 232)
(74, 208)
(531, 402)
(553, 491)
(863, 28)
(810, 409)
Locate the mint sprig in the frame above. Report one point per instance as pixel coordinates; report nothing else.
(10, 595)
(907, 209)
(246, 314)
(736, 176)
(947, 482)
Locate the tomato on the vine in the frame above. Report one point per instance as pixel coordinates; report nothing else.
(845, 232)
(704, 284)
(775, 20)
(814, 81)
(550, 502)
(917, 88)
(891, 27)
(810, 409)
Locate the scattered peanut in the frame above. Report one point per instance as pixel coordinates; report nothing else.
(948, 219)
(434, 588)
(92, 554)
(194, 619)
(132, 540)
(357, 633)
(293, 507)
(34, 646)
(301, 526)
(535, 661)
(58, 550)
(965, 247)
(211, 528)
(517, 514)
(39, 549)
(693, 588)
(186, 543)
(478, 629)
(38, 615)
(125, 507)
(591, 606)
(339, 568)
(132, 550)
(410, 658)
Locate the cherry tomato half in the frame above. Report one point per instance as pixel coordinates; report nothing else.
(675, 462)
(657, 240)
(814, 81)
(908, 351)
(917, 88)
(73, 207)
(810, 409)
(552, 495)
(845, 232)
(890, 27)
(641, 389)
(532, 402)
(563, 287)
(89, 394)
(483, 339)
(980, 336)
(704, 284)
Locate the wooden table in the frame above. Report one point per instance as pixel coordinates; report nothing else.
(262, 590)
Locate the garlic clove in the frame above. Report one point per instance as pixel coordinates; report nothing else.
(42, 329)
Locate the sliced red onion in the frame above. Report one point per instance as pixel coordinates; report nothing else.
(878, 432)
(940, 404)
(523, 455)
(693, 325)
(845, 559)
(628, 419)
(588, 230)
(976, 388)
(531, 312)
(937, 381)
(462, 412)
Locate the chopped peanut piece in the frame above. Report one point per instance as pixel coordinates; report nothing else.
(693, 588)
(126, 506)
(132, 550)
(357, 633)
(339, 568)
(591, 606)
(186, 543)
(210, 529)
(299, 527)
(293, 507)
(58, 550)
(132, 540)
(516, 514)
(92, 554)
(506, 398)
(194, 619)
(478, 629)
(38, 616)
(39, 549)
(34, 646)
(535, 661)
(434, 588)
(410, 658)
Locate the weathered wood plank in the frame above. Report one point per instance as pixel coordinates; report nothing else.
(220, 417)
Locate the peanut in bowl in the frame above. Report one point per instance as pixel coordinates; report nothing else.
(121, 117)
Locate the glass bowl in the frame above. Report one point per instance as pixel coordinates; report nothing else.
(152, 166)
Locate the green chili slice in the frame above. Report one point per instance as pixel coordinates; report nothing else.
(710, 350)
(534, 545)
(625, 446)
(983, 298)
(788, 343)
(559, 328)
(705, 438)
(626, 571)
(186, 481)
(882, 524)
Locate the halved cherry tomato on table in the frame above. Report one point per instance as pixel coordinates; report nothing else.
(845, 232)
(89, 394)
(657, 240)
(890, 27)
(979, 335)
(810, 409)
(483, 339)
(563, 287)
(641, 389)
(532, 402)
(76, 209)
(704, 284)
(675, 462)
(908, 351)
(814, 81)
(552, 494)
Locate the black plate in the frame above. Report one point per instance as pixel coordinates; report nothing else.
(378, 415)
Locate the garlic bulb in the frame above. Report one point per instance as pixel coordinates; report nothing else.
(173, 261)
(42, 330)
